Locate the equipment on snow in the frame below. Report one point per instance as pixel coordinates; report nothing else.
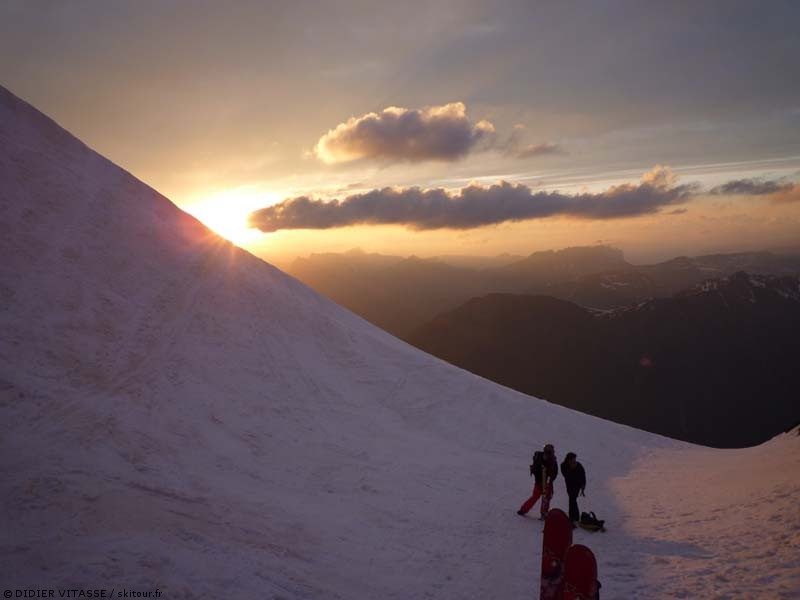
(580, 574)
(556, 540)
(590, 522)
(547, 494)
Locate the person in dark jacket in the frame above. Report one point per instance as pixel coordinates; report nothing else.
(575, 479)
(545, 470)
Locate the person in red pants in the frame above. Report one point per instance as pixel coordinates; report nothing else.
(545, 469)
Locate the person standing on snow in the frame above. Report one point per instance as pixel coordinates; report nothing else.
(575, 479)
(545, 470)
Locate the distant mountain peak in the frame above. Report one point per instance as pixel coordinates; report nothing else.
(604, 251)
(746, 284)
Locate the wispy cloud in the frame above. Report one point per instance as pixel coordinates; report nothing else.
(778, 191)
(542, 149)
(472, 206)
(515, 148)
(405, 135)
(751, 187)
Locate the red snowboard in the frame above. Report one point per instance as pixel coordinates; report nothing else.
(557, 538)
(580, 574)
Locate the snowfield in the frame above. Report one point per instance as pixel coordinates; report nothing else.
(178, 414)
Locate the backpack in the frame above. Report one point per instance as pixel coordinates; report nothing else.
(538, 461)
(591, 522)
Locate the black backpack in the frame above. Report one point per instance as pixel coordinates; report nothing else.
(536, 465)
(590, 521)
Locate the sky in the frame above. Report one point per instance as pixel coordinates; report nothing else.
(429, 128)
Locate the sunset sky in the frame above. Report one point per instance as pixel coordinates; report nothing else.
(442, 127)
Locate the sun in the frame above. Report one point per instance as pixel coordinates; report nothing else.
(226, 212)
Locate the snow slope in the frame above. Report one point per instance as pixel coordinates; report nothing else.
(178, 414)
(712, 523)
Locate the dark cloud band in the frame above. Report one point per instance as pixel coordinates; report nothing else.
(777, 191)
(751, 187)
(472, 206)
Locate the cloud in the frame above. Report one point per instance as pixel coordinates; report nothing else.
(750, 187)
(472, 206)
(542, 149)
(514, 147)
(790, 193)
(405, 135)
(779, 191)
(660, 177)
